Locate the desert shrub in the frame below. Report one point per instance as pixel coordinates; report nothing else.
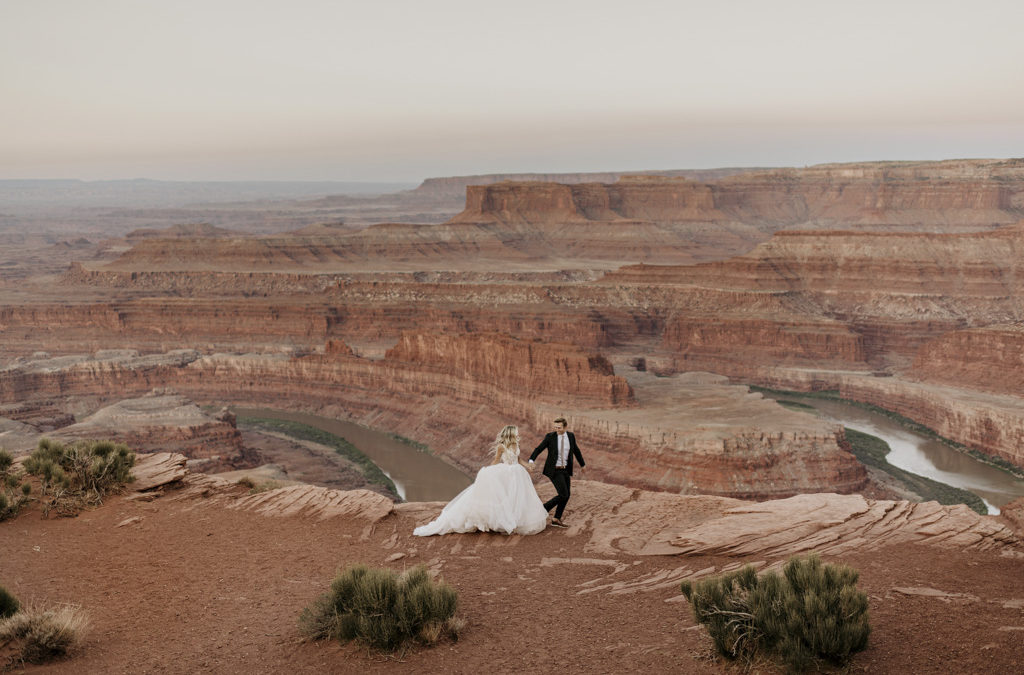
(41, 634)
(13, 493)
(812, 612)
(8, 603)
(254, 487)
(79, 474)
(82, 472)
(383, 609)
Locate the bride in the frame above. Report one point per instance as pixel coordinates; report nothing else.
(501, 499)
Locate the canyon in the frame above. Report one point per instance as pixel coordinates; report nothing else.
(638, 308)
(654, 434)
(642, 307)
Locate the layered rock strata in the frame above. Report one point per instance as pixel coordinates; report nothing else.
(41, 415)
(386, 241)
(992, 424)
(756, 450)
(747, 317)
(867, 299)
(723, 344)
(453, 188)
(544, 370)
(639, 218)
(988, 359)
(359, 313)
(960, 265)
(812, 308)
(858, 300)
(964, 193)
(620, 521)
(834, 524)
(167, 471)
(167, 422)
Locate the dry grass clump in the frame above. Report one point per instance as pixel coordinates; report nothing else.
(384, 609)
(79, 474)
(813, 612)
(254, 487)
(38, 635)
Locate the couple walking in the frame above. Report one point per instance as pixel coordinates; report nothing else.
(502, 498)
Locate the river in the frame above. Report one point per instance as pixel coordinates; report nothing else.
(920, 454)
(418, 476)
(421, 476)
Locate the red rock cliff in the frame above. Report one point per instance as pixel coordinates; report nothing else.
(457, 412)
(539, 203)
(544, 370)
(851, 296)
(988, 359)
(965, 193)
(454, 187)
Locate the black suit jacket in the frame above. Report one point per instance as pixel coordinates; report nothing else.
(551, 443)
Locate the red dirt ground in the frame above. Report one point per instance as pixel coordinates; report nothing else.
(196, 587)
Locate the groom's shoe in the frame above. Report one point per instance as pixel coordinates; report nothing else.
(555, 522)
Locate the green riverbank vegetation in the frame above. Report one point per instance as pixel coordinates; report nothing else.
(871, 451)
(304, 432)
(905, 422)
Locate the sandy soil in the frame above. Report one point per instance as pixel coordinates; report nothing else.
(194, 587)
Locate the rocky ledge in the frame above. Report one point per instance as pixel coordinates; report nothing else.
(620, 521)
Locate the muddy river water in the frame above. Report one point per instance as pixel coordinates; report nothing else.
(421, 476)
(922, 455)
(418, 476)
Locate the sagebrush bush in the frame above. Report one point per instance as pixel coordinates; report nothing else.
(812, 612)
(84, 470)
(42, 634)
(383, 609)
(13, 493)
(8, 603)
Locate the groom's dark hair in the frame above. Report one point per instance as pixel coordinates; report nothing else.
(561, 420)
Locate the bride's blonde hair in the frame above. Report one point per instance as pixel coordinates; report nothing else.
(508, 437)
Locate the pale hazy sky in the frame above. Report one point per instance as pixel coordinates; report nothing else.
(401, 90)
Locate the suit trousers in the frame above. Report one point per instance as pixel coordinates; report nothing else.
(563, 484)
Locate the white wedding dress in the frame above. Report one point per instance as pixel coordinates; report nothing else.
(501, 499)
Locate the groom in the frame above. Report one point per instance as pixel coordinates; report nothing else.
(561, 447)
